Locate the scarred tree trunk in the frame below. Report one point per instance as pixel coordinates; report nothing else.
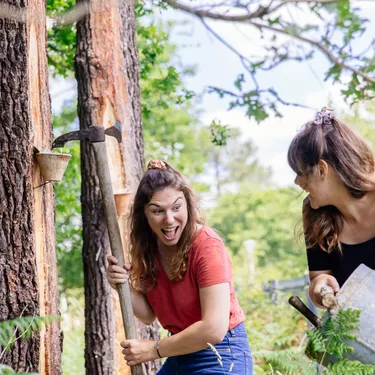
(108, 91)
(28, 280)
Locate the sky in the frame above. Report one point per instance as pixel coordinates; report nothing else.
(296, 82)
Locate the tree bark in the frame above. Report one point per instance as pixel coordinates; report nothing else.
(28, 275)
(108, 91)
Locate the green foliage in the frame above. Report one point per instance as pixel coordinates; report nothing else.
(290, 361)
(362, 121)
(267, 216)
(350, 367)
(219, 133)
(339, 329)
(21, 328)
(234, 163)
(68, 208)
(73, 361)
(6, 370)
(61, 41)
(351, 26)
(170, 131)
(334, 340)
(274, 330)
(317, 341)
(161, 85)
(336, 333)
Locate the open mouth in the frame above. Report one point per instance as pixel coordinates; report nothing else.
(170, 233)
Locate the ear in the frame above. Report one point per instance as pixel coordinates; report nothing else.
(322, 169)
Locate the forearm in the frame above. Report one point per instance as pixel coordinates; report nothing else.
(141, 308)
(194, 338)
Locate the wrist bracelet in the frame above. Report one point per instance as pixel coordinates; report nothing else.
(156, 346)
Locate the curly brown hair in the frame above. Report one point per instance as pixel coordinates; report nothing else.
(352, 159)
(143, 241)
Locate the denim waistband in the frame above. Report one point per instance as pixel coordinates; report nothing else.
(239, 329)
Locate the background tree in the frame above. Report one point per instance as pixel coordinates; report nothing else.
(234, 162)
(362, 120)
(107, 72)
(267, 216)
(165, 103)
(28, 283)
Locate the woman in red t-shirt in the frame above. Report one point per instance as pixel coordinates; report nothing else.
(181, 274)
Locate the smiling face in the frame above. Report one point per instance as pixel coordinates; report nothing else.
(310, 183)
(321, 185)
(167, 215)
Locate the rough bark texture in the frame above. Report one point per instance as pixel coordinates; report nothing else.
(98, 313)
(132, 147)
(28, 280)
(108, 90)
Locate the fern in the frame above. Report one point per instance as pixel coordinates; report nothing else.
(290, 361)
(317, 342)
(346, 366)
(333, 340)
(339, 330)
(20, 328)
(6, 370)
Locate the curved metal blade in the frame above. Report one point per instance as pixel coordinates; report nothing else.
(91, 134)
(115, 131)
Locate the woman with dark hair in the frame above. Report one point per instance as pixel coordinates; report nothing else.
(181, 274)
(336, 167)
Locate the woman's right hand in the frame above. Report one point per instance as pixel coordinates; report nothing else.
(319, 282)
(115, 273)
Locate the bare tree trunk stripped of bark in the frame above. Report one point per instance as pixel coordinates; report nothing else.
(108, 91)
(28, 275)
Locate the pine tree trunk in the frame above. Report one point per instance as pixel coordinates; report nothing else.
(108, 91)
(28, 276)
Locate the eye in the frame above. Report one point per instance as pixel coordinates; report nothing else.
(176, 208)
(157, 212)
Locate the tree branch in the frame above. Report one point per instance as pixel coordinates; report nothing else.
(250, 18)
(243, 58)
(259, 13)
(319, 46)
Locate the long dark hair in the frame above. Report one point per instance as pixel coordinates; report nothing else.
(352, 159)
(143, 241)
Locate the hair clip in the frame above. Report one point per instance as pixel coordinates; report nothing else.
(156, 164)
(324, 116)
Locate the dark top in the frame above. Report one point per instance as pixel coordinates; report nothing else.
(342, 265)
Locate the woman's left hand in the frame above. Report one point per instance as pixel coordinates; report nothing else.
(138, 351)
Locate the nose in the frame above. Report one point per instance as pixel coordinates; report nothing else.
(169, 217)
(297, 180)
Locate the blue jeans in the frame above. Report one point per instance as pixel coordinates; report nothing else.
(235, 356)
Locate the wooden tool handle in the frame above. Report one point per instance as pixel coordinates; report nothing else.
(305, 311)
(100, 151)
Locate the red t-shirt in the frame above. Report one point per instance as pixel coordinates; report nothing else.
(177, 304)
